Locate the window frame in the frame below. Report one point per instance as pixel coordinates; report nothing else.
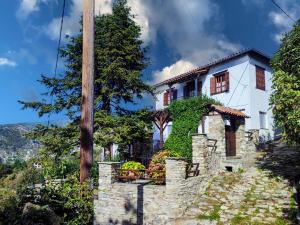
(263, 124)
(223, 86)
(257, 84)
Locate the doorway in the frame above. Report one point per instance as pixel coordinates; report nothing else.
(230, 139)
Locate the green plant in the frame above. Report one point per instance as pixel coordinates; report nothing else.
(9, 212)
(186, 115)
(131, 166)
(285, 98)
(157, 166)
(214, 215)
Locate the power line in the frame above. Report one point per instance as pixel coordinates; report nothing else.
(278, 6)
(238, 83)
(57, 55)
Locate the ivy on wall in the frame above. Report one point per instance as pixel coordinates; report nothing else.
(186, 115)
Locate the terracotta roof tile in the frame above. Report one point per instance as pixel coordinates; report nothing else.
(228, 111)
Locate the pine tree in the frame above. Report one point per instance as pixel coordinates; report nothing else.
(120, 59)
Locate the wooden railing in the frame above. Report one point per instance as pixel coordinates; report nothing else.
(192, 170)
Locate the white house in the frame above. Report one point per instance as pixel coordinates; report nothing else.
(241, 81)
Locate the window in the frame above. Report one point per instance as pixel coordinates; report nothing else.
(260, 78)
(169, 95)
(173, 95)
(263, 120)
(189, 89)
(199, 85)
(219, 83)
(166, 98)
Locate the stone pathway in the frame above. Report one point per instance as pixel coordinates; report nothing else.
(260, 195)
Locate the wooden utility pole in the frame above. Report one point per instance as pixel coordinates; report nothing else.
(87, 101)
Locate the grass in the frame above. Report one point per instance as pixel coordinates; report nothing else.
(214, 215)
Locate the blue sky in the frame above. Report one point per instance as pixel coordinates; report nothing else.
(181, 35)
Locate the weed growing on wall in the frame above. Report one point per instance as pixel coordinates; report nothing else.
(186, 115)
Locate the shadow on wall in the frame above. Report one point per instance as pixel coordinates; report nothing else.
(131, 208)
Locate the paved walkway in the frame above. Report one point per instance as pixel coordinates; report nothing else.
(260, 195)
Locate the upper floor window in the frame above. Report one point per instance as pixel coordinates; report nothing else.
(260, 78)
(199, 86)
(219, 83)
(169, 95)
(189, 89)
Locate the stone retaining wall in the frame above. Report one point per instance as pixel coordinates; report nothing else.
(142, 203)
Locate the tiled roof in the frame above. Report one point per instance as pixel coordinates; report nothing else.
(202, 70)
(228, 111)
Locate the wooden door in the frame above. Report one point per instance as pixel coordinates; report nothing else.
(230, 139)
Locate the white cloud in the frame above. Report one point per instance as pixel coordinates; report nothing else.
(177, 68)
(7, 62)
(184, 26)
(29, 6)
(22, 55)
(71, 22)
(281, 21)
(103, 7)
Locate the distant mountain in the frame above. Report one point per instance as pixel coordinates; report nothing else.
(13, 142)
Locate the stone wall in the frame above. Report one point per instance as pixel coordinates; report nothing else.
(205, 153)
(239, 135)
(216, 131)
(143, 203)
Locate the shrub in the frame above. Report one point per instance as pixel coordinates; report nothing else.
(131, 165)
(158, 162)
(70, 200)
(186, 115)
(9, 213)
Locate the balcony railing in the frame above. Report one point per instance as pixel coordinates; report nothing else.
(190, 95)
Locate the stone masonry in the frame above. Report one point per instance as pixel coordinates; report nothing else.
(141, 203)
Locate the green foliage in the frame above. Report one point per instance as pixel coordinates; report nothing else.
(186, 115)
(132, 165)
(77, 201)
(158, 162)
(285, 98)
(69, 199)
(214, 215)
(123, 129)
(119, 62)
(9, 213)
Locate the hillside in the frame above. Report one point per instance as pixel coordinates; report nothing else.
(13, 142)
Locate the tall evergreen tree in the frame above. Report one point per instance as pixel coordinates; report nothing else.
(120, 59)
(285, 98)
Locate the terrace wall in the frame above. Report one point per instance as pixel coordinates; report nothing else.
(142, 203)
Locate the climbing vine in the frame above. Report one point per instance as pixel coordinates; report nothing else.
(186, 115)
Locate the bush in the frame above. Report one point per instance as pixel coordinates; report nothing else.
(158, 162)
(9, 212)
(131, 165)
(186, 115)
(70, 200)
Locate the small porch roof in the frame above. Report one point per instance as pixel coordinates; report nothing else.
(228, 111)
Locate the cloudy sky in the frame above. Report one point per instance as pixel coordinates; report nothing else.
(181, 34)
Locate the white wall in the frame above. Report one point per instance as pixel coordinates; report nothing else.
(260, 101)
(242, 92)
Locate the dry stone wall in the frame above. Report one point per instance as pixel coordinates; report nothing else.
(142, 203)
